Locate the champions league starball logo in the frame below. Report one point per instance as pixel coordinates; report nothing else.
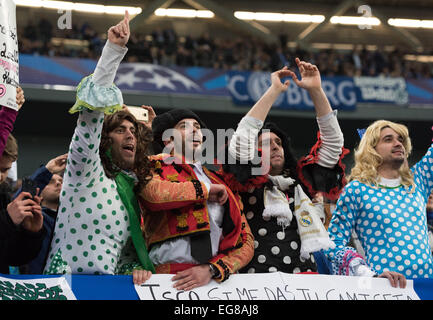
(139, 75)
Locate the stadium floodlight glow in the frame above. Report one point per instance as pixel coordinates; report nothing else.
(278, 17)
(411, 23)
(62, 5)
(205, 14)
(183, 13)
(268, 16)
(419, 58)
(29, 3)
(354, 20)
(86, 7)
(77, 6)
(121, 10)
(316, 18)
(244, 15)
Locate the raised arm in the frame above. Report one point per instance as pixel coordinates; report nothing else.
(43, 174)
(242, 143)
(115, 49)
(261, 108)
(423, 173)
(332, 139)
(96, 93)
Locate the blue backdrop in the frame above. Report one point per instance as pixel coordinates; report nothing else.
(245, 88)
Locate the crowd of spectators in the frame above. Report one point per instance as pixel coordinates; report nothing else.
(166, 48)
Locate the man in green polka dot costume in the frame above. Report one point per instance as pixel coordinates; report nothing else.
(94, 225)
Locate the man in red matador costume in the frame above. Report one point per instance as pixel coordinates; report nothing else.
(194, 223)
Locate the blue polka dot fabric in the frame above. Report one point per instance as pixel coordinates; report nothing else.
(391, 224)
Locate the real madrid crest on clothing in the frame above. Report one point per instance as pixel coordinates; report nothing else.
(274, 220)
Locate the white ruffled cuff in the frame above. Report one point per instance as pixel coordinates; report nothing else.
(95, 97)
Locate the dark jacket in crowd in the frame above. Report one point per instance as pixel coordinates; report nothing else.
(41, 177)
(37, 265)
(17, 245)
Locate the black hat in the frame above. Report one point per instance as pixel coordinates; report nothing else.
(289, 157)
(168, 120)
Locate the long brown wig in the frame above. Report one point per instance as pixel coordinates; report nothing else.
(143, 135)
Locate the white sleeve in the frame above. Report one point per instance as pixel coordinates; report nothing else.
(242, 144)
(108, 63)
(332, 140)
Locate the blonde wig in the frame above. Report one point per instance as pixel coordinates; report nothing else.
(367, 160)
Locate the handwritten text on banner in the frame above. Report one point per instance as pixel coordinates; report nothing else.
(279, 286)
(8, 54)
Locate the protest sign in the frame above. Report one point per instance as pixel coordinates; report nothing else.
(324, 287)
(279, 286)
(9, 68)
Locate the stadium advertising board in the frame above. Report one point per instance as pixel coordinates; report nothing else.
(243, 87)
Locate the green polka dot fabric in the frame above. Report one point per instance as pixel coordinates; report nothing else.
(92, 233)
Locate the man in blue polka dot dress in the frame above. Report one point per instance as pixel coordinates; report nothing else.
(385, 203)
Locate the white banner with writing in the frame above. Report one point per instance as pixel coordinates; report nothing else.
(9, 68)
(35, 289)
(279, 286)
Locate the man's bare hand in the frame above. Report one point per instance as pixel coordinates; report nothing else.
(191, 278)
(57, 165)
(396, 279)
(310, 75)
(26, 211)
(218, 193)
(151, 115)
(277, 76)
(34, 222)
(119, 34)
(140, 276)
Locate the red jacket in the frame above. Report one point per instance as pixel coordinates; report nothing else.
(175, 203)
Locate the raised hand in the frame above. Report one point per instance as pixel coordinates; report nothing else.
(261, 108)
(277, 76)
(151, 115)
(309, 73)
(57, 165)
(119, 34)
